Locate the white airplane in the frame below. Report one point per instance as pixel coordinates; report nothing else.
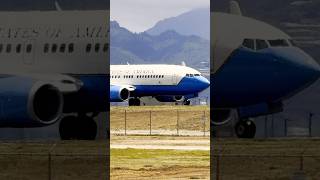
(166, 83)
(256, 67)
(53, 66)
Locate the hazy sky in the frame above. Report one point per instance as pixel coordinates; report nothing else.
(140, 15)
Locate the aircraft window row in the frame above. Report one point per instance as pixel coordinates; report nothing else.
(96, 47)
(191, 75)
(18, 48)
(55, 47)
(258, 44)
(139, 76)
(115, 77)
(150, 76)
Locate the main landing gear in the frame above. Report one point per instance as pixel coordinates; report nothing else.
(81, 127)
(187, 102)
(134, 102)
(245, 128)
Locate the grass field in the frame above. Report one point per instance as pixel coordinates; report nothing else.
(159, 164)
(81, 160)
(162, 117)
(278, 159)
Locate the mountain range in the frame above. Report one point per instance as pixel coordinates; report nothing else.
(168, 47)
(194, 22)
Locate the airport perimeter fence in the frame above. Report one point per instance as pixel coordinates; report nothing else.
(53, 166)
(279, 125)
(160, 122)
(265, 167)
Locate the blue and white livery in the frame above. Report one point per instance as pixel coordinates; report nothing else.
(256, 67)
(166, 83)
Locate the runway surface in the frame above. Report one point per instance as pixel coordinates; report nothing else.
(160, 142)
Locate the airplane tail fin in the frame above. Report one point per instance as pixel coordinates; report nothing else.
(235, 8)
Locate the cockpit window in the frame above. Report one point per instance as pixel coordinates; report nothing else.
(197, 75)
(278, 43)
(248, 43)
(261, 44)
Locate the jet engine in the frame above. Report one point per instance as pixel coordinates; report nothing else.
(221, 116)
(119, 93)
(25, 102)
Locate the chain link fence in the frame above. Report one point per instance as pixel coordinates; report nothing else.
(160, 122)
(53, 166)
(265, 167)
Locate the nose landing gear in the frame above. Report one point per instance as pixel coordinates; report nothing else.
(245, 128)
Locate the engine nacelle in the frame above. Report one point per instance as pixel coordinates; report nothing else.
(221, 116)
(25, 102)
(169, 98)
(119, 94)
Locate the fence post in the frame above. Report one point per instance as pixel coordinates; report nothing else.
(204, 123)
(49, 166)
(125, 122)
(285, 127)
(218, 167)
(266, 126)
(150, 122)
(272, 126)
(177, 122)
(310, 124)
(49, 161)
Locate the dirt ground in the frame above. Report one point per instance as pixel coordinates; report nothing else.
(278, 159)
(81, 160)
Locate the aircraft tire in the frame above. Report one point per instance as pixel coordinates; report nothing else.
(66, 128)
(245, 129)
(87, 128)
(134, 102)
(187, 102)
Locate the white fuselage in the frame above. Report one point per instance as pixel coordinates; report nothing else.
(54, 42)
(149, 74)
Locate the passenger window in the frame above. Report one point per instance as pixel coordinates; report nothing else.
(71, 48)
(261, 44)
(97, 47)
(105, 47)
(88, 48)
(54, 48)
(18, 48)
(46, 48)
(62, 48)
(8, 49)
(278, 43)
(29, 48)
(248, 43)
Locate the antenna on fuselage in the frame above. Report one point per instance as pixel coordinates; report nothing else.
(58, 8)
(128, 63)
(235, 8)
(183, 63)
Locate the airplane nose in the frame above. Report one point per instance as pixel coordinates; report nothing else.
(203, 82)
(304, 69)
